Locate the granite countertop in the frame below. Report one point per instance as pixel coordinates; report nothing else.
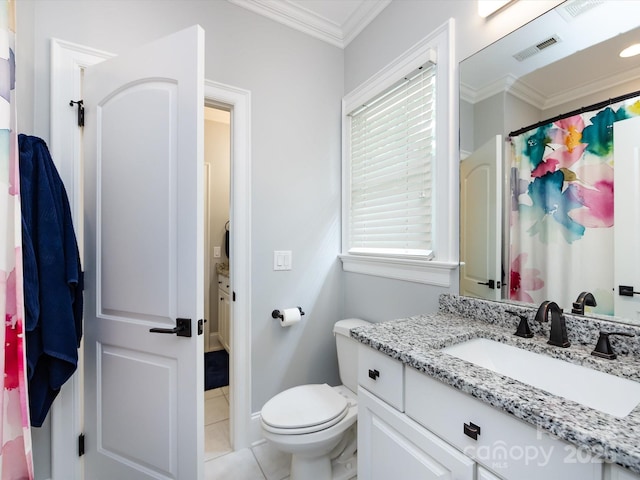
(223, 268)
(416, 342)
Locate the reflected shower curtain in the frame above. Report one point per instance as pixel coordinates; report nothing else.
(15, 435)
(561, 223)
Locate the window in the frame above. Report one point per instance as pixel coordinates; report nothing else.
(392, 145)
(400, 168)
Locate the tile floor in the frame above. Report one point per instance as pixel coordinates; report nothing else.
(221, 463)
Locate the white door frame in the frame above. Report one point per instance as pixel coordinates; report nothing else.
(65, 144)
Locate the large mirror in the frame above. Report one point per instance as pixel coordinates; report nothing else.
(538, 113)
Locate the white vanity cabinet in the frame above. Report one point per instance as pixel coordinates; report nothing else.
(615, 472)
(391, 445)
(412, 426)
(223, 311)
(504, 444)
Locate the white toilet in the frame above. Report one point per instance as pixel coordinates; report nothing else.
(317, 423)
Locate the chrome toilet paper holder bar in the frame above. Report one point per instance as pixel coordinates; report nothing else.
(278, 314)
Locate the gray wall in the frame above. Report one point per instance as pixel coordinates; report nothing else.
(488, 119)
(297, 83)
(401, 25)
(519, 114)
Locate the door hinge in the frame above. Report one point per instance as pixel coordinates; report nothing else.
(234, 296)
(81, 444)
(80, 104)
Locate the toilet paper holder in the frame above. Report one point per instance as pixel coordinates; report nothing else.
(277, 314)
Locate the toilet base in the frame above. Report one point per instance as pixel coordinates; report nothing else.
(322, 468)
(302, 468)
(345, 470)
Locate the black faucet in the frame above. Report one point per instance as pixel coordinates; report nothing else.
(558, 336)
(585, 298)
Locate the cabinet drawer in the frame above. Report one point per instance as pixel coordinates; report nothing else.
(381, 375)
(223, 283)
(504, 444)
(615, 472)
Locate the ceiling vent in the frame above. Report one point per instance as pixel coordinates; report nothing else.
(537, 48)
(574, 8)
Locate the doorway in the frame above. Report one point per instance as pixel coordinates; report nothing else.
(217, 225)
(68, 61)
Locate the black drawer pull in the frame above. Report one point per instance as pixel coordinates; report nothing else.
(471, 430)
(374, 374)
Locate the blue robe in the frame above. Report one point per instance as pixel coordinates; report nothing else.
(53, 279)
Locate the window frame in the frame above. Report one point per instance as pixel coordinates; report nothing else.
(441, 269)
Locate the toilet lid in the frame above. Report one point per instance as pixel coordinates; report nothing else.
(304, 406)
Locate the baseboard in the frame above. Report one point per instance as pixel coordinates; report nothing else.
(255, 430)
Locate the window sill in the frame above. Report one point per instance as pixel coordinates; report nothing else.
(411, 270)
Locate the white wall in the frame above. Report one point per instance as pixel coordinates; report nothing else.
(396, 29)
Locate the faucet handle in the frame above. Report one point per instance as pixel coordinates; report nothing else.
(523, 329)
(603, 347)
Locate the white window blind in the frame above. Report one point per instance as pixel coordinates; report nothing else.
(392, 145)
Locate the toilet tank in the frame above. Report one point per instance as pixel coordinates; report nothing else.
(347, 349)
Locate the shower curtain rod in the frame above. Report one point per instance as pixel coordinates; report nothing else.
(595, 106)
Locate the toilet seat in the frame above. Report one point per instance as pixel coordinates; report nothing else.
(304, 409)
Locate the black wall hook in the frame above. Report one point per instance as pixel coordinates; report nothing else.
(80, 104)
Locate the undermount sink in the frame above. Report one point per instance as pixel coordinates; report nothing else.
(591, 388)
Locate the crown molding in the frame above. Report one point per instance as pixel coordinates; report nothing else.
(601, 85)
(309, 22)
(532, 96)
(362, 17)
(509, 84)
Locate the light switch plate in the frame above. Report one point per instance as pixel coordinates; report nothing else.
(282, 260)
(216, 252)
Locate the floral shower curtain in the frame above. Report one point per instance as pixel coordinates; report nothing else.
(15, 436)
(561, 234)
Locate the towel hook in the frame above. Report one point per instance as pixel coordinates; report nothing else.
(80, 104)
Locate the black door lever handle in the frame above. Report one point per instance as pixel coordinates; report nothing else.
(627, 291)
(165, 330)
(182, 328)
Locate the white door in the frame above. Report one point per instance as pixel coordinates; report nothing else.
(143, 193)
(626, 221)
(480, 222)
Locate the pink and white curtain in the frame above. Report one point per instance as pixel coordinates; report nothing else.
(561, 233)
(15, 435)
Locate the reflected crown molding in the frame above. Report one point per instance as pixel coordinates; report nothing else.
(524, 92)
(509, 84)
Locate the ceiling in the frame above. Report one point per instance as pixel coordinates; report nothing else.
(584, 60)
(334, 21)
